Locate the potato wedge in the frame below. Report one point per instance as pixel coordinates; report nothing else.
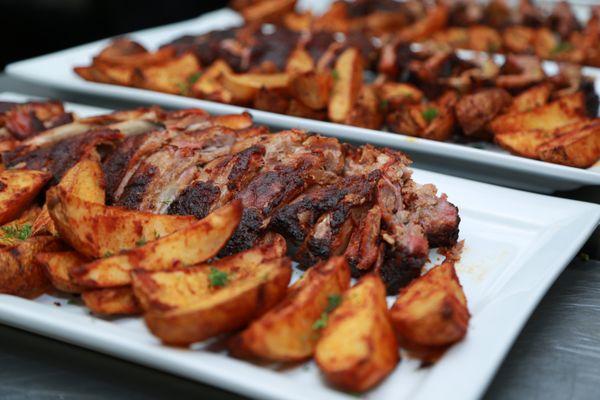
(530, 99)
(193, 304)
(209, 84)
(112, 301)
(289, 332)
(172, 76)
(431, 312)
(579, 148)
(243, 87)
(393, 94)
(566, 110)
(524, 143)
(188, 245)
(347, 81)
(19, 229)
(233, 121)
(358, 348)
(366, 111)
(299, 62)
(18, 189)
(85, 180)
(267, 10)
(58, 265)
(274, 247)
(96, 230)
(312, 89)
(20, 274)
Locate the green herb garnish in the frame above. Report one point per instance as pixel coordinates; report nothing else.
(321, 322)
(141, 242)
(333, 301)
(107, 254)
(217, 278)
(429, 114)
(335, 75)
(156, 235)
(561, 47)
(193, 78)
(17, 232)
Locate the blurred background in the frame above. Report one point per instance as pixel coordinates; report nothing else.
(30, 28)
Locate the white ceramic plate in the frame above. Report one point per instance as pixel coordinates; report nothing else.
(516, 244)
(486, 165)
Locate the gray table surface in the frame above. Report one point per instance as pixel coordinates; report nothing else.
(556, 356)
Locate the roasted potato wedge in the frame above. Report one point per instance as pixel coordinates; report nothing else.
(19, 229)
(209, 84)
(20, 274)
(18, 189)
(579, 148)
(524, 143)
(431, 312)
(192, 304)
(234, 121)
(268, 10)
(347, 81)
(312, 89)
(289, 332)
(191, 244)
(243, 87)
(367, 111)
(564, 111)
(393, 94)
(85, 180)
(531, 99)
(58, 266)
(299, 62)
(172, 76)
(358, 347)
(111, 301)
(96, 230)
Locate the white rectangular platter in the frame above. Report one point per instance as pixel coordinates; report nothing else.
(496, 166)
(516, 245)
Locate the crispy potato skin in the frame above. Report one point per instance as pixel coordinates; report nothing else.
(268, 10)
(20, 274)
(189, 245)
(579, 148)
(358, 348)
(346, 85)
(112, 301)
(18, 188)
(286, 332)
(57, 266)
(96, 230)
(475, 111)
(180, 316)
(312, 88)
(524, 143)
(169, 77)
(530, 99)
(85, 180)
(431, 312)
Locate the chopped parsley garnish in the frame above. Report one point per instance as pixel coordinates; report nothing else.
(17, 232)
(107, 254)
(194, 77)
(333, 301)
(429, 114)
(561, 47)
(218, 278)
(335, 75)
(141, 242)
(156, 235)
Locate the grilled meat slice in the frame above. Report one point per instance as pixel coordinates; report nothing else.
(364, 246)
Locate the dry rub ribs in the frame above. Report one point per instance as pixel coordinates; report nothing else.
(326, 198)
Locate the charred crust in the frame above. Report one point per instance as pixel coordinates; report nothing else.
(398, 269)
(195, 200)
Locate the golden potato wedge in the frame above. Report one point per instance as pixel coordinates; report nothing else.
(116, 74)
(193, 304)
(289, 332)
(233, 121)
(112, 301)
(435, 20)
(347, 81)
(174, 76)
(393, 94)
(530, 99)
(431, 312)
(209, 84)
(243, 87)
(188, 245)
(18, 189)
(57, 266)
(524, 143)
(299, 109)
(298, 21)
(299, 62)
(267, 10)
(273, 247)
(43, 224)
(126, 52)
(96, 230)
(85, 180)
(579, 148)
(366, 111)
(20, 274)
(312, 88)
(564, 111)
(273, 100)
(358, 347)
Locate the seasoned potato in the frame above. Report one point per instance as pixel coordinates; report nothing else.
(189, 305)
(298, 21)
(209, 85)
(189, 245)
(579, 148)
(243, 87)
(172, 76)
(299, 62)
(431, 312)
(85, 180)
(299, 109)
(367, 110)
(16, 230)
(57, 266)
(393, 94)
(435, 20)
(18, 189)
(111, 301)
(524, 143)
(20, 274)
(234, 121)
(267, 10)
(273, 100)
(312, 88)
(475, 111)
(289, 332)
(358, 348)
(530, 99)
(347, 81)
(566, 110)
